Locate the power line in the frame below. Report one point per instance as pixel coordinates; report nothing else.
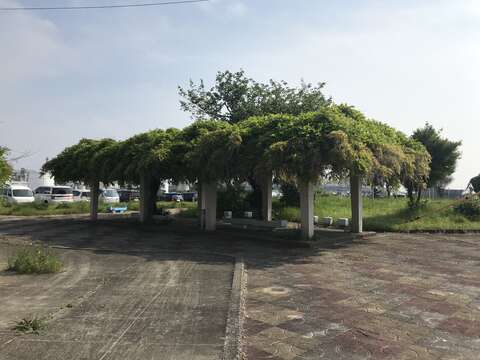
(103, 6)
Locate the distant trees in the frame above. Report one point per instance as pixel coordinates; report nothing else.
(444, 152)
(5, 168)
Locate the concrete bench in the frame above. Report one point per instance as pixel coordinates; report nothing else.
(257, 223)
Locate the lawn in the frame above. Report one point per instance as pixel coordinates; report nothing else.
(379, 214)
(388, 214)
(35, 209)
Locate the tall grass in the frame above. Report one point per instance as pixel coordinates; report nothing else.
(35, 260)
(388, 214)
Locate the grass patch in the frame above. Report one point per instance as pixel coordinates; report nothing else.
(38, 209)
(31, 326)
(189, 213)
(389, 214)
(80, 207)
(177, 205)
(35, 260)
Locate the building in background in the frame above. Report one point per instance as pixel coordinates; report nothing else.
(31, 178)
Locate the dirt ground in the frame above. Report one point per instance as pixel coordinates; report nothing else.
(165, 292)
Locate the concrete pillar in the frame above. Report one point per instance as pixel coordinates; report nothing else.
(306, 209)
(357, 205)
(145, 204)
(209, 206)
(267, 198)
(199, 205)
(94, 192)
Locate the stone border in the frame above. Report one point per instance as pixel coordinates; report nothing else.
(232, 349)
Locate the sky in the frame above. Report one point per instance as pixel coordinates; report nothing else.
(67, 75)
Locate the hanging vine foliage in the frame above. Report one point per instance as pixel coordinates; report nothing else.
(336, 141)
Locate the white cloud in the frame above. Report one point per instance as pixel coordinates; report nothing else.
(28, 45)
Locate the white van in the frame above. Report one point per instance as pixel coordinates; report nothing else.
(17, 194)
(109, 196)
(53, 194)
(81, 195)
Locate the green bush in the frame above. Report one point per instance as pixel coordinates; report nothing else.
(469, 208)
(35, 260)
(39, 205)
(233, 198)
(65, 205)
(290, 195)
(286, 213)
(33, 325)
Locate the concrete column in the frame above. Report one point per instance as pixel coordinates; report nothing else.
(199, 205)
(94, 192)
(357, 205)
(306, 209)
(209, 206)
(145, 204)
(267, 198)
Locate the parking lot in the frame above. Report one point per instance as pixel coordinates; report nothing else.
(165, 292)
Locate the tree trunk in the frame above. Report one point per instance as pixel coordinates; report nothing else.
(419, 195)
(145, 198)
(256, 204)
(265, 183)
(155, 184)
(410, 194)
(94, 192)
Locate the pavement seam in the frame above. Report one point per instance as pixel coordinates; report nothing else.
(233, 345)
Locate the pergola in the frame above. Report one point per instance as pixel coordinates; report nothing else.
(337, 141)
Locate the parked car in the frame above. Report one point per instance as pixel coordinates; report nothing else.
(168, 196)
(109, 196)
(81, 195)
(53, 194)
(128, 195)
(190, 196)
(17, 194)
(177, 197)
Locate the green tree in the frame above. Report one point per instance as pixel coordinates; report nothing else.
(444, 153)
(5, 168)
(235, 97)
(89, 161)
(144, 159)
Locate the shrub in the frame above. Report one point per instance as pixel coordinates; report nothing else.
(4, 203)
(233, 198)
(40, 205)
(469, 208)
(35, 260)
(287, 213)
(33, 325)
(290, 194)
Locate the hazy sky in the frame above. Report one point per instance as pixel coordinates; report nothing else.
(113, 73)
